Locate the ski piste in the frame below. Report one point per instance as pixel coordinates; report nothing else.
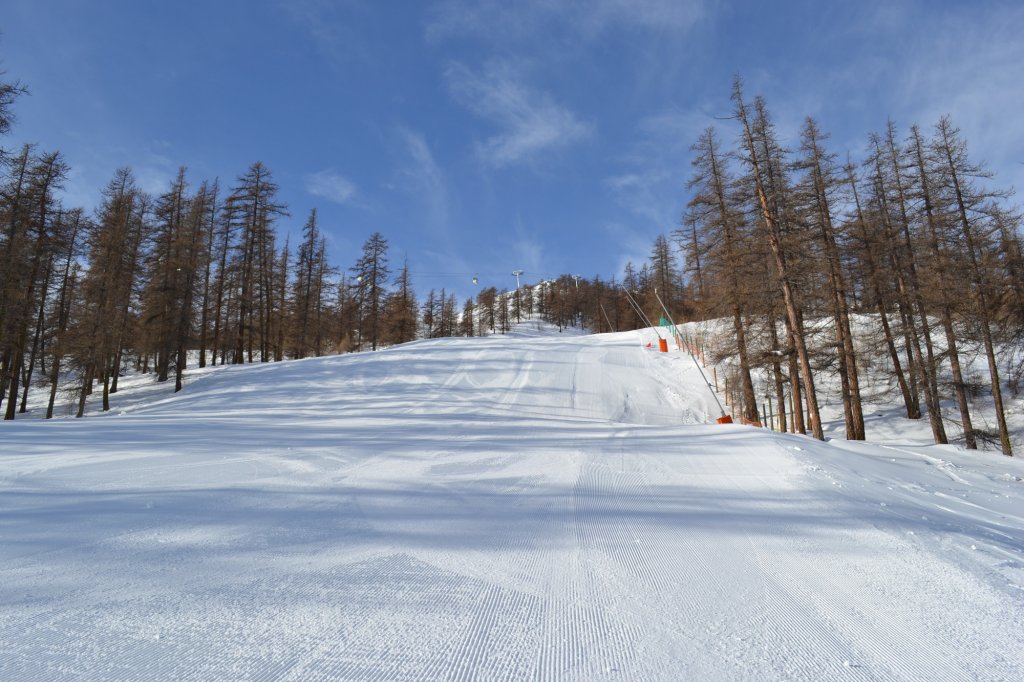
(538, 505)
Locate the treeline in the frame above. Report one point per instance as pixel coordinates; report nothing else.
(657, 286)
(152, 283)
(196, 275)
(790, 244)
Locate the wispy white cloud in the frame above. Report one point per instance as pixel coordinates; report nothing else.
(967, 65)
(660, 15)
(633, 245)
(527, 251)
(329, 185)
(912, 62)
(329, 28)
(638, 193)
(423, 177)
(655, 168)
(499, 19)
(530, 121)
(153, 171)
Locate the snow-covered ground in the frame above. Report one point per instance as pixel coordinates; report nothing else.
(884, 414)
(534, 506)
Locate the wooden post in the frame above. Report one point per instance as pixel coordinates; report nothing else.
(714, 372)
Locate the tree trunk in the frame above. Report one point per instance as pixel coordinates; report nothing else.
(946, 315)
(982, 302)
(773, 232)
(927, 363)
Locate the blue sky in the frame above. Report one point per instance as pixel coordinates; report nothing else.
(482, 137)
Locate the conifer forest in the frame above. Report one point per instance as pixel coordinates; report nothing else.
(901, 258)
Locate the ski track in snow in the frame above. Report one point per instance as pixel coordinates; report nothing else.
(538, 506)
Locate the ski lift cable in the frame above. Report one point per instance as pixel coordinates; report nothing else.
(476, 277)
(635, 307)
(640, 312)
(639, 309)
(695, 363)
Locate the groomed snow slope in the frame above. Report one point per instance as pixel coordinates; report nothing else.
(534, 506)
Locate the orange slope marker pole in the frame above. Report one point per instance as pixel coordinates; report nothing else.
(724, 418)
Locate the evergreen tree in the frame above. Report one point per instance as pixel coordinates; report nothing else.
(943, 283)
(106, 323)
(466, 326)
(665, 276)
(306, 288)
(763, 157)
(879, 292)
(401, 310)
(429, 318)
(30, 248)
(210, 257)
(75, 224)
(724, 240)
(252, 208)
(967, 207)
(372, 273)
(10, 91)
(815, 193)
(486, 309)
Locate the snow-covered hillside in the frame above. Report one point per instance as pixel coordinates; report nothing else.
(535, 506)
